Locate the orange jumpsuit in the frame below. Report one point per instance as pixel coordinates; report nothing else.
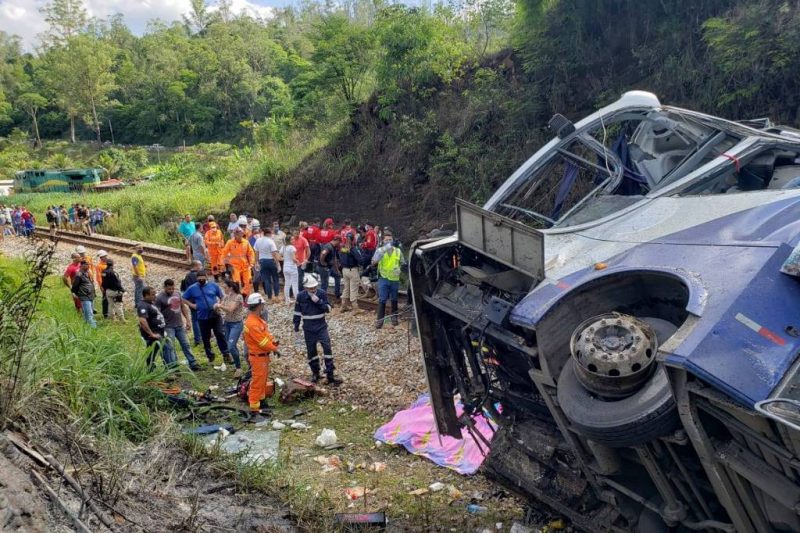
(241, 257)
(98, 272)
(259, 345)
(215, 242)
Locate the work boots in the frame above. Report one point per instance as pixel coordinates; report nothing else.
(395, 318)
(333, 380)
(315, 377)
(381, 315)
(346, 306)
(356, 309)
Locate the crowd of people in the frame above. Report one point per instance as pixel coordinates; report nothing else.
(19, 220)
(234, 274)
(78, 217)
(16, 220)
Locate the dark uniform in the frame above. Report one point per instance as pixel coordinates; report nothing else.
(315, 330)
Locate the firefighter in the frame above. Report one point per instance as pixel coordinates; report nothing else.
(240, 256)
(310, 307)
(215, 241)
(260, 343)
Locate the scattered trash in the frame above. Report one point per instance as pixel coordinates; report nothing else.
(436, 487)
(298, 412)
(557, 524)
(221, 368)
(516, 527)
(418, 492)
(350, 467)
(297, 389)
(299, 425)
(374, 519)
(454, 493)
(474, 508)
(377, 467)
(278, 425)
(498, 526)
(213, 387)
(354, 493)
(255, 446)
(334, 446)
(378, 444)
(326, 438)
(279, 382)
(209, 429)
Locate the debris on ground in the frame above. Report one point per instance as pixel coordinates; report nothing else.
(436, 487)
(326, 438)
(354, 493)
(361, 519)
(418, 492)
(255, 446)
(299, 425)
(415, 429)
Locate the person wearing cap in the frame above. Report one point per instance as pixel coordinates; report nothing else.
(310, 307)
(207, 223)
(139, 271)
(83, 290)
(113, 290)
(240, 255)
(102, 258)
(260, 343)
(389, 260)
(85, 257)
(215, 241)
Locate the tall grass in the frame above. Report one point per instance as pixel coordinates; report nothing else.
(96, 377)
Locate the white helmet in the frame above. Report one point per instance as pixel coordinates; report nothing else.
(311, 281)
(255, 299)
(80, 249)
(242, 220)
(102, 253)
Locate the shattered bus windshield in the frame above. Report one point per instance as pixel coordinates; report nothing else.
(609, 167)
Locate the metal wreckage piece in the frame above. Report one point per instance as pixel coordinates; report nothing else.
(628, 297)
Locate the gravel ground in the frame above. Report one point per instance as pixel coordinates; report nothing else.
(382, 369)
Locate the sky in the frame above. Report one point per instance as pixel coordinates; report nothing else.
(23, 18)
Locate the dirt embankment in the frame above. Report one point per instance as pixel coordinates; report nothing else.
(403, 166)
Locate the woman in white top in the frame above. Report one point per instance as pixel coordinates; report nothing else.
(290, 275)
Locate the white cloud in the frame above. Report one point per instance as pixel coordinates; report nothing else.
(23, 18)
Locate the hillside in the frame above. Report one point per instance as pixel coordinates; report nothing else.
(404, 170)
(403, 164)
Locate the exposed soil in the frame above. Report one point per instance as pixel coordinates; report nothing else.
(382, 171)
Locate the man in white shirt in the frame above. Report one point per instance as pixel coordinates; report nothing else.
(269, 264)
(233, 223)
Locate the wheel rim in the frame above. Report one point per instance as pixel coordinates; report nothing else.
(614, 354)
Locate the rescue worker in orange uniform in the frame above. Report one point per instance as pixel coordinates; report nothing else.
(215, 242)
(260, 343)
(240, 255)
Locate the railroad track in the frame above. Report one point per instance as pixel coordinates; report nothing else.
(163, 255)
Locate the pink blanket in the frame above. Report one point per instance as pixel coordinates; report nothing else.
(415, 429)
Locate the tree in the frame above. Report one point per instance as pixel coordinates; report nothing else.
(79, 79)
(31, 103)
(67, 18)
(344, 53)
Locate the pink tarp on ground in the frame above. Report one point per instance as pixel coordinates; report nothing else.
(415, 429)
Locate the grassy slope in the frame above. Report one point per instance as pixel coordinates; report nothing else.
(97, 379)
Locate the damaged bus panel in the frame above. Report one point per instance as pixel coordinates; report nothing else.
(629, 297)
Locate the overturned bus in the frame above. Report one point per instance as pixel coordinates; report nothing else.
(628, 297)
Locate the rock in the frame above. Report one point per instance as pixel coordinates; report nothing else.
(299, 425)
(278, 425)
(516, 527)
(436, 487)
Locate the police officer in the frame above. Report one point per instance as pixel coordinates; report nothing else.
(310, 307)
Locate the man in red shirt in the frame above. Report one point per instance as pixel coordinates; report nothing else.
(346, 228)
(370, 241)
(69, 274)
(327, 233)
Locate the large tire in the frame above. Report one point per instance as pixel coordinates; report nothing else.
(645, 415)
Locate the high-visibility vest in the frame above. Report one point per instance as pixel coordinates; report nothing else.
(137, 263)
(389, 265)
